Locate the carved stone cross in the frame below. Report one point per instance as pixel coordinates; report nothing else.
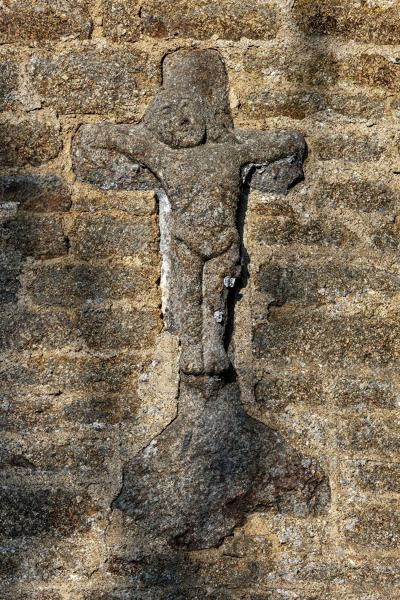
(188, 143)
(213, 464)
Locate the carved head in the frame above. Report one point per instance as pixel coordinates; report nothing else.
(177, 120)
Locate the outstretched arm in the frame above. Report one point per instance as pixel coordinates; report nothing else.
(260, 147)
(133, 141)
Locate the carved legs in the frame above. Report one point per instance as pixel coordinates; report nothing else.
(218, 277)
(188, 275)
(200, 306)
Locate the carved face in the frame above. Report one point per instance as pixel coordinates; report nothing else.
(179, 122)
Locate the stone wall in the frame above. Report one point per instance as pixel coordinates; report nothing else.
(88, 376)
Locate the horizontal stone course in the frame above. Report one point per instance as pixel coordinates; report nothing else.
(35, 235)
(38, 193)
(313, 103)
(77, 284)
(106, 329)
(376, 477)
(25, 329)
(76, 453)
(364, 393)
(321, 284)
(91, 80)
(351, 147)
(276, 393)
(231, 21)
(369, 432)
(32, 512)
(9, 82)
(9, 284)
(44, 410)
(74, 371)
(376, 526)
(356, 194)
(349, 20)
(27, 141)
(319, 338)
(374, 70)
(104, 235)
(286, 227)
(23, 21)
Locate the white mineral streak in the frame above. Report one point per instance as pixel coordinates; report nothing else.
(165, 251)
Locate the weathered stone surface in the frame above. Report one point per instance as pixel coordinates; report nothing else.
(231, 22)
(107, 168)
(74, 371)
(39, 193)
(9, 81)
(94, 81)
(374, 70)
(104, 235)
(370, 433)
(28, 329)
(348, 146)
(363, 394)
(218, 464)
(43, 410)
(297, 105)
(377, 477)
(72, 414)
(350, 19)
(138, 203)
(77, 454)
(356, 194)
(73, 285)
(10, 267)
(387, 237)
(101, 328)
(39, 236)
(375, 526)
(32, 512)
(24, 21)
(321, 284)
(9, 284)
(121, 20)
(276, 393)
(281, 225)
(359, 106)
(292, 335)
(27, 141)
(276, 178)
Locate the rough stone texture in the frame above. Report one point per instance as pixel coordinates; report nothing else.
(98, 80)
(9, 79)
(23, 21)
(230, 21)
(38, 193)
(218, 465)
(325, 255)
(27, 141)
(378, 22)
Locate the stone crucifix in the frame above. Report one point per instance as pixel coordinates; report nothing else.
(187, 142)
(213, 464)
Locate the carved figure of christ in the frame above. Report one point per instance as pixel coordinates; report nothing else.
(198, 161)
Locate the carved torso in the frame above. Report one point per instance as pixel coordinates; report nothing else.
(203, 186)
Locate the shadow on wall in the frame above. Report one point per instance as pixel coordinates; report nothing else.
(61, 406)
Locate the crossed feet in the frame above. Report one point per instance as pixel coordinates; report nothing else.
(213, 361)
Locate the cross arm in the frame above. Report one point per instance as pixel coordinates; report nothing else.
(262, 147)
(133, 141)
